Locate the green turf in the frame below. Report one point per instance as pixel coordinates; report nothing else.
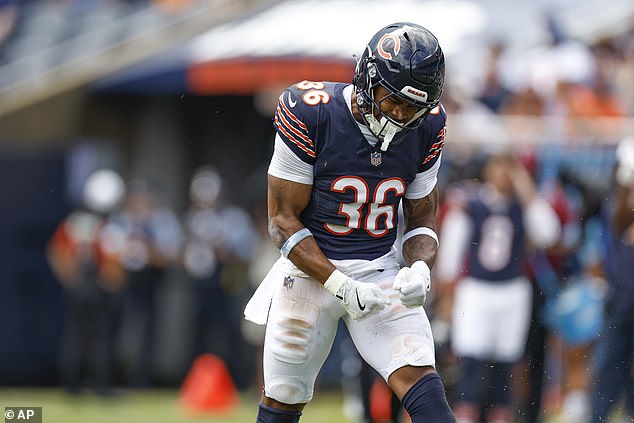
(151, 406)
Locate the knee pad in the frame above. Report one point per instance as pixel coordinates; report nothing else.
(289, 390)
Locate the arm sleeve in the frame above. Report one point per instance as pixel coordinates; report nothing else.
(424, 182)
(286, 165)
(454, 237)
(542, 224)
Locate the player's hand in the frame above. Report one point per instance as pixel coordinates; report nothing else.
(625, 160)
(359, 299)
(413, 284)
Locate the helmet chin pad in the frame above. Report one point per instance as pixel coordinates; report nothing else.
(384, 130)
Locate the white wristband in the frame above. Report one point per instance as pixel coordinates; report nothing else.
(293, 240)
(421, 231)
(335, 281)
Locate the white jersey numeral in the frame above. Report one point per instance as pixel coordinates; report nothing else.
(377, 210)
(495, 247)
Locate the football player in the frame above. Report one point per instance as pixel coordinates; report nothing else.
(489, 226)
(345, 156)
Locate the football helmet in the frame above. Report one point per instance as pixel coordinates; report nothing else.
(406, 59)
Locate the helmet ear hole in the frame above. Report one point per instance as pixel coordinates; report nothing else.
(372, 72)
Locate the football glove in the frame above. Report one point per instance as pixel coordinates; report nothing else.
(625, 160)
(359, 299)
(413, 284)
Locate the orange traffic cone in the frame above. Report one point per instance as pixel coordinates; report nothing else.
(208, 387)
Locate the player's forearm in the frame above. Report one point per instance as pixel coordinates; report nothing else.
(286, 201)
(420, 247)
(306, 254)
(421, 214)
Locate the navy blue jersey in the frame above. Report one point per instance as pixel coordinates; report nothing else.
(356, 187)
(496, 249)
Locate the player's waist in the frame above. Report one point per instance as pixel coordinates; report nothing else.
(515, 280)
(353, 243)
(355, 268)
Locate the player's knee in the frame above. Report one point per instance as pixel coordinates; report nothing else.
(426, 401)
(289, 391)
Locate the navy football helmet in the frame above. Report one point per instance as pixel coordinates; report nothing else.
(406, 59)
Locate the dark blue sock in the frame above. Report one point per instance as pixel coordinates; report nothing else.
(470, 385)
(426, 401)
(274, 415)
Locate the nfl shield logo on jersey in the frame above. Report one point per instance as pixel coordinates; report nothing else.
(288, 282)
(375, 158)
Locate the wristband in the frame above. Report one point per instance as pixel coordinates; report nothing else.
(293, 240)
(335, 281)
(421, 231)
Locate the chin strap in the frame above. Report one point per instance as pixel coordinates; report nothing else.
(387, 139)
(384, 130)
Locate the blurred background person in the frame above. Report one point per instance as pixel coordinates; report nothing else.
(572, 264)
(613, 371)
(490, 225)
(92, 278)
(9, 14)
(148, 236)
(220, 241)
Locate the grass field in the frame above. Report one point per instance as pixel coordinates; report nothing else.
(158, 406)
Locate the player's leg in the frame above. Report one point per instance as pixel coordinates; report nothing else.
(513, 301)
(473, 327)
(300, 331)
(469, 389)
(398, 343)
(500, 392)
(425, 399)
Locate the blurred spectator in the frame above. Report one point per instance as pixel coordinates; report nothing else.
(573, 264)
(624, 69)
(92, 277)
(220, 241)
(613, 373)
(492, 223)
(148, 237)
(493, 92)
(8, 20)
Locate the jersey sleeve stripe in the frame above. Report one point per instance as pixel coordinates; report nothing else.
(436, 148)
(294, 140)
(291, 116)
(291, 128)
